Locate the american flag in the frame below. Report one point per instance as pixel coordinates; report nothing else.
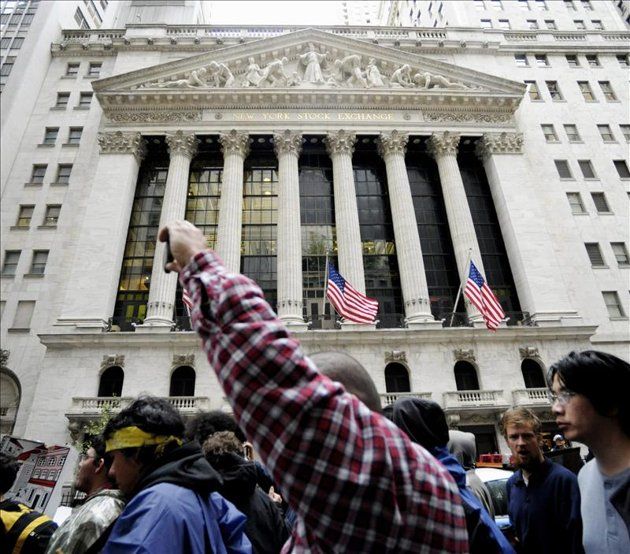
(187, 300)
(479, 293)
(349, 303)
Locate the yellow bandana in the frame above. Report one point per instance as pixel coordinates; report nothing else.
(133, 437)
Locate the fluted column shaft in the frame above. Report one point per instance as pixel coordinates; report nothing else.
(340, 146)
(289, 252)
(182, 148)
(235, 148)
(444, 147)
(392, 147)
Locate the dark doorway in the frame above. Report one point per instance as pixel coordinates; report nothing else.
(532, 374)
(396, 378)
(183, 382)
(111, 382)
(466, 376)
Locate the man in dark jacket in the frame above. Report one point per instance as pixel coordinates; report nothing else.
(265, 526)
(173, 504)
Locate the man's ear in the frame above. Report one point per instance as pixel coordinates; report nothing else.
(100, 466)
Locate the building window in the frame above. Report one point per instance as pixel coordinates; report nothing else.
(111, 382)
(38, 264)
(72, 69)
(63, 174)
(397, 378)
(601, 204)
(24, 216)
(586, 167)
(593, 60)
(80, 20)
(609, 94)
(486, 24)
(606, 133)
(37, 175)
(579, 24)
(549, 132)
(554, 91)
(504, 24)
(50, 135)
(573, 61)
(563, 169)
(62, 99)
(570, 5)
(541, 5)
(586, 4)
(532, 24)
(183, 382)
(532, 374)
(625, 131)
(572, 133)
(23, 314)
(541, 60)
(587, 92)
(466, 376)
(94, 69)
(523, 4)
(479, 5)
(613, 305)
(521, 60)
(623, 60)
(85, 99)
(575, 201)
(74, 135)
(11, 259)
(621, 253)
(622, 169)
(497, 5)
(550, 24)
(534, 92)
(597, 24)
(594, 254)
(51, 217)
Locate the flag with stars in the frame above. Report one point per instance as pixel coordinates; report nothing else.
(350, 303)
(479, 293)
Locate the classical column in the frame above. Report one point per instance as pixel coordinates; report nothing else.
(443, 147)
(93, 277)
(287, 145)
(340, 146)
(182, 148)
(392, 147)
(534, 265)
(235, 146)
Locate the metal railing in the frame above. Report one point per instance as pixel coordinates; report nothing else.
(388, 398)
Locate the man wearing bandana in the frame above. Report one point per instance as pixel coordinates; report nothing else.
(173, 504)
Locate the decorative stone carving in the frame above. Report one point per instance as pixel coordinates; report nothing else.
(123, 143)
(453, 420)
(75, 431)
(428, 81)
(312, 61)
(195, 79)
(443, 144)
(182, 144)
(221, 75)
(499, 143)
(402, 77)
(253, 75)
(234, 142)
(462, 355)
(392, 143)
(183, 359)
(287, 142)
(466, 117)
(341, 142)
(108, 361)
(157, 116)
(348, 70)
(395, 356)
(4, 359)
(373, 75)
(274, 75)
(528, 352)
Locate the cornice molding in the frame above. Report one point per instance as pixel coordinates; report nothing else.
(119, 142)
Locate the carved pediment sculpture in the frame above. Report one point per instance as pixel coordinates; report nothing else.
(216, 74)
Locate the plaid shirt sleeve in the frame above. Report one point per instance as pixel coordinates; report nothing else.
(357, 483)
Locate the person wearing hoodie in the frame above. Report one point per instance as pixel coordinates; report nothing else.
(425, 423)
(265, 526)
(172, 491)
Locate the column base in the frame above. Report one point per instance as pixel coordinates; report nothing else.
(350, 326)
(155, 325)
(554, 319)
(83, 324)
(296, 325)
(423, 323)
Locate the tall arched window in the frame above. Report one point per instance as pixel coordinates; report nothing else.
(397, 378)
(9, 401)
(466, 376)
(111, 382)
(532, 374)
(183, 382)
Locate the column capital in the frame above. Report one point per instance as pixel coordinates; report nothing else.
(392, 143)
(441, 144)
(287, 142)
(341, 142)
(182, 143)
(499, 143)
(234, 142)
(117, 142)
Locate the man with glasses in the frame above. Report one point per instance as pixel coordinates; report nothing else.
(589, 391)
(543, 497)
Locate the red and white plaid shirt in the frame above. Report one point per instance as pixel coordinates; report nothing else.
(357, 483)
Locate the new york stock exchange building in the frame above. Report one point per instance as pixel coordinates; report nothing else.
(398, 158)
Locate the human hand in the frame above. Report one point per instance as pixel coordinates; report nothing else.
(185, 240)
(275, 497)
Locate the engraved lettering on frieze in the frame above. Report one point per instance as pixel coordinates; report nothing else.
(183, 359)
(528, 352)
(462, 355)
(117, 360)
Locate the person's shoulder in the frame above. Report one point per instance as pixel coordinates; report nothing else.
(588, 471)
(516, 476)
(558, 471)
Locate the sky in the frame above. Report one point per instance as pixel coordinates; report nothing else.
(263, 12)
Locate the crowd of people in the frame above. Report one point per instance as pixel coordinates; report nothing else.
(338, 472)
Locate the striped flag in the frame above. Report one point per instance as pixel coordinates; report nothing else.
(187, 300)
(349, 303)
(479, 293)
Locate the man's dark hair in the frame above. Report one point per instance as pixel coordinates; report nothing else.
(203, 425)
(151, 414)
(98, 444)
(602, 378)
(9, 467)
(351, 374)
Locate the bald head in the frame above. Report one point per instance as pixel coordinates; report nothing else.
(340, 367)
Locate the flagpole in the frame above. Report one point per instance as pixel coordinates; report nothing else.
(325, 288)
(461, 285)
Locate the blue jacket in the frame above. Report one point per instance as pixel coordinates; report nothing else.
(546, 513)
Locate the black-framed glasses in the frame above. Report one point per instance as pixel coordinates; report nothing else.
(563, 397)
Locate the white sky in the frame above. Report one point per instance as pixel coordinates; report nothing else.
(288, 12)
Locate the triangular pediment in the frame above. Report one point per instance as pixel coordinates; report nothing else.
(308, 66)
